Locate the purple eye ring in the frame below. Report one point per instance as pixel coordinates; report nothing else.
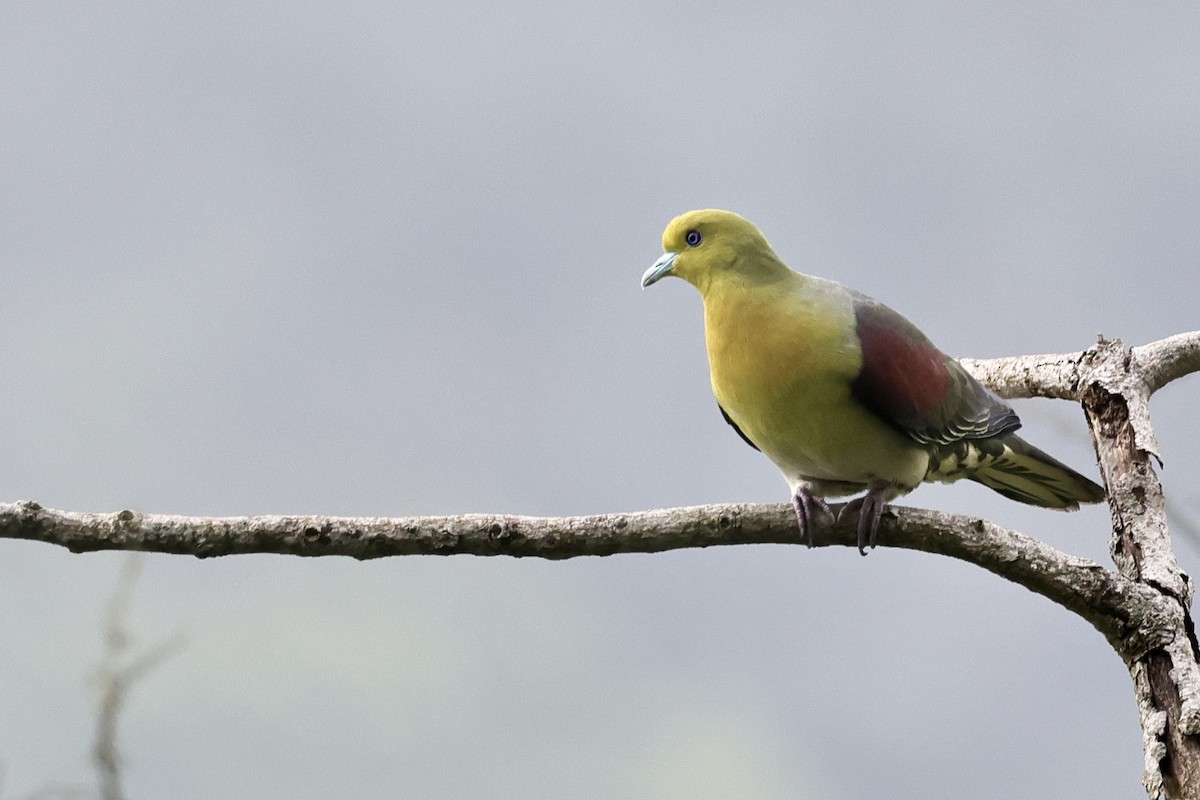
(693, 238)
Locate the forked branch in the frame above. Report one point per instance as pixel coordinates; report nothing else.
(1142, 608)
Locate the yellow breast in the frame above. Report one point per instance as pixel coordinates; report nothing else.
(783, 357)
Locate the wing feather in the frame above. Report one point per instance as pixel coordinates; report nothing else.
(919, 389)
(734, 425)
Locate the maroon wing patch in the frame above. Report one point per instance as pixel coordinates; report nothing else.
(918, 388)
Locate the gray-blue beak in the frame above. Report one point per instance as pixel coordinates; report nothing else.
(661, 269)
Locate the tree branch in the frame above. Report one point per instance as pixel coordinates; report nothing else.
(1143, 608)
(1129, 614)
(1054, 376)
(1116, 395)
(1061, 375)
(1168, 359)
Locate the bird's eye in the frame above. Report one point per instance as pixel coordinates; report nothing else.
(693, 238)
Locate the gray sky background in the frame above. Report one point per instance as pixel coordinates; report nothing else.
(383, 259)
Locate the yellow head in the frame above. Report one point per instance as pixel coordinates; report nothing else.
(713, 245)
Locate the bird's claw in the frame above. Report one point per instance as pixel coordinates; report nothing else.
(869, 508)
(807, 506)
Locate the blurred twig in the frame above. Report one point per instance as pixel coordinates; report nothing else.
(116, 674)
(118, 671)
(1183, 522)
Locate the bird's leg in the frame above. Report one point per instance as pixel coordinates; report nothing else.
(869, 508)
(807, 506)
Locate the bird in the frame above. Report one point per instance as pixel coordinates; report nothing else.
(843, 394)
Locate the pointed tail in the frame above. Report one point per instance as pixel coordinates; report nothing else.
(1026, 474)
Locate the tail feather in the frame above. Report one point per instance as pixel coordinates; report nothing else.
(1024, 473)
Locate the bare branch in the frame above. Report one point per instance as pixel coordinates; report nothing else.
(1124, 611)
(1059, 375)
(1116, 394)
(1143, 608)
(1054, 376)
(1167, 359)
